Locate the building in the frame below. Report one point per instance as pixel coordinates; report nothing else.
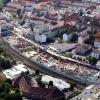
(5, 29)
(15, 71)
(98, 65)
(66, 37)
(72, 19)
(96, 53)
(82, 38)
(36, 93)
(97, 40)
(83, 49)
(82, 31)
(40, 38)
(60, 84)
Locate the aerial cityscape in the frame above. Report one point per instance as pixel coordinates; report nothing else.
(49, 49)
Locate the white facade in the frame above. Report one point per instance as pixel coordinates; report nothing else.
(66, 37)
(40, 38)
(80, 40)
(83, 32)
(96, 54)
(97, 44)
(15, 71)
(60, 84)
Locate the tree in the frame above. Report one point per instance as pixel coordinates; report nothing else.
(40, 83)
(91, 37)
(73, 84)
(14, 15)
(1, 5)
(93, 61)
(74, 37)
(50, 84)
(15, 96)
(1, 51)
(8, 81)
(7, 92)
(37, 72)
(5, 63)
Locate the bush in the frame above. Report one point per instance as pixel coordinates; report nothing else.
(5, 63)
(72, 95)
(8, 81)
(15, 96)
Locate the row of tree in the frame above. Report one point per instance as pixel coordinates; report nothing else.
(7, 92)
(4, 60)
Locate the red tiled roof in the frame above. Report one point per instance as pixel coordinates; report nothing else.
(84, 46)
(97, 40)
(98, 34)
(85, 36)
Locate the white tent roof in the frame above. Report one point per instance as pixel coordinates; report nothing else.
(59, 83)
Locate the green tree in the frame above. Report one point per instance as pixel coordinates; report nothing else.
(37, 72)
(15, 96)
(73, 84)
(8, 81)
(5, 63)
(40, 83)
(72, 95)
(50, 84)
(1, 51)
(93, 61)
(91, 37)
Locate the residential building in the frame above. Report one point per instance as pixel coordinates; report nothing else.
(15, 71)
(82, 38)
(83, 49)
(98, 65)
(5, 29)
(96, 53)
